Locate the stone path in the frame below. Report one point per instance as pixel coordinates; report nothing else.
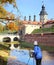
(47, 56)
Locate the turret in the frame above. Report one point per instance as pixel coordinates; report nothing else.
(29, 18)
(34, 18)
(43, 15)
(24, 18)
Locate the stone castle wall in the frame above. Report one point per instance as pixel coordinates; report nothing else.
(45, 39)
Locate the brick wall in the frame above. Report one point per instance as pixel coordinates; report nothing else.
(45, 39)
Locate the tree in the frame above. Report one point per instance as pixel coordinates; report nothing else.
(13, 2)
(1, 27)
(3, 12)
(8, 15)
(12, 26)
(8, 1)
(5, 2)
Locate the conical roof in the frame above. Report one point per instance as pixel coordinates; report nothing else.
(43, 12)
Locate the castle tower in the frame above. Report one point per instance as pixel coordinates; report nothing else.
(43, 15)
(34, 18)
(24, 18)
(29, 18)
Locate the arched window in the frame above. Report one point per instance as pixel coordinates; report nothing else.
(15, 39)
(6, 39)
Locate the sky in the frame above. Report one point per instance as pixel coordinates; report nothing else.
(32, 7)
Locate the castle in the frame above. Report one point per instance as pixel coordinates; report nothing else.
(29, 25)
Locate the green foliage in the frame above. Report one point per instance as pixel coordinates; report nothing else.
(5, 2)
(24, 44)
(43, 30)
(4, 46)
(3, 60)
(3, 12)
(47, 48)
(1, 27)
(31, 46)
(52, 26)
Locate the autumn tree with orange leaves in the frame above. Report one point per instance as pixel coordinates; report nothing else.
(12, 26)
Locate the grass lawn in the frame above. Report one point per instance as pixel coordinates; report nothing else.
(43, 30)
(31, 46)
